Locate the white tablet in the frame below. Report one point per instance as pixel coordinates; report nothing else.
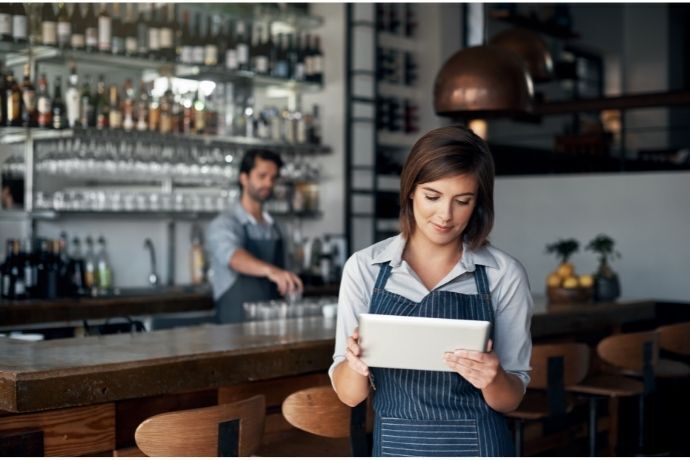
(408, 342)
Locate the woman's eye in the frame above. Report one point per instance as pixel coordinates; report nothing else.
(462, 203)
(431, 198)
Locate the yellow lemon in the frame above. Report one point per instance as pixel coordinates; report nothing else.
(570, 282)
(553, 280)
(566, 269)
(586, 281)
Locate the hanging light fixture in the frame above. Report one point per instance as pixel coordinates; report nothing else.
(531, 48)
(482, 82)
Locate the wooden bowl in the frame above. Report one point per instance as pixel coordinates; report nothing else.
(559, 295)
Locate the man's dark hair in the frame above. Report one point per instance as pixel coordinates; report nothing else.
(249, 160)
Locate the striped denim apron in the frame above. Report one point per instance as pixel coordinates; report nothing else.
(431, 413)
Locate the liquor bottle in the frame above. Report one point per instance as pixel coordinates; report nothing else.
(199, 113)
(154, 112)
(101, 106)
(308, 58)
(142, 31)
(154, 34)
(142, 107)
(91, 29)
(73, 98)
(17, 272)
(48, 25)
(29, 112)
(65, 287)
(242, 46)
(64, 26)
(29, 268)
(87, 117)
(165, 112)
(317, 62)
(5, 280)
(3, 97)
(259, 53)
(77, 269)
(105, 30)
(59, 109)
(185, 54)
(167, 33)
(280, 68)
(299, 69)
(314, 130)
(292, 55)
(230, 57)
(45, 105)
(19, 23)
(115, 114)
(14, 102)
(52, 272)
(117, 33)
(90, 267)
(78, 38)
(129, 27)
(105, 272)
(198, 44)
(211, 42)
(6, 22)
(128, 106)
(197, 262)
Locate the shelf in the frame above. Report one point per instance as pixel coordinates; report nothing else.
(218, 73)
(19, 135)
(552, 30)
(248, 12)
(48, 214)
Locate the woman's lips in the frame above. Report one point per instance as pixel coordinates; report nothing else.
(441, 229)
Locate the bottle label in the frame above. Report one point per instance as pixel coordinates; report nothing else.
(29, 98)
(43, 105)
(242, 54)
(48, 33)
(115, 119)
(5, 24)
(186, 54)
(166, 38)
(261, 64)
(308, 66)
(117, 45)
(299, 71)
(131, 45)
(6, 285)
(154, 39)
(318, 64)
(72, 103)
(211, 55)
(64, 30)
(14, 104)
(104, 33)
(19, 27)
(19, 288)
(231, 59)
(78, 41)
(29, 277)
(198, 55)
(91, 37)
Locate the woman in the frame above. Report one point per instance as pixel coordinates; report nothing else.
(441, 265)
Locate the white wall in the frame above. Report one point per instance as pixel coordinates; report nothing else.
(647, 214)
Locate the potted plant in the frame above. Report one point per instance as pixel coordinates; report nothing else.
(606, 283)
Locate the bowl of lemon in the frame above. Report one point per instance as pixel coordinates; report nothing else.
(564, 285)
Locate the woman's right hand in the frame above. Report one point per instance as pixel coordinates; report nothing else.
(354, 351)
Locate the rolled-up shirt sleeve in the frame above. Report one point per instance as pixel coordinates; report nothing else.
(224, 237)
(512, 327)
(353, 299)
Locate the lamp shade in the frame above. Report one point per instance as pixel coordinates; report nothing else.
(531, 48)
(482, 82)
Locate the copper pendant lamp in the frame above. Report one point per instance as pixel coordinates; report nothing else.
(531, 48)
(482, 82)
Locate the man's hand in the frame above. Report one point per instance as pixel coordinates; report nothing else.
(286, 281)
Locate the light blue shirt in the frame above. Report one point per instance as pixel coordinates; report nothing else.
(510, 296)
(226, 234)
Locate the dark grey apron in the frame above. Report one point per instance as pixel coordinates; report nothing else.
(251, 288)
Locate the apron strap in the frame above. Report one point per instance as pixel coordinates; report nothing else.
(481, 279)
(384, 273)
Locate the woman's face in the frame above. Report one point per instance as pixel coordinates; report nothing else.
(442, 208)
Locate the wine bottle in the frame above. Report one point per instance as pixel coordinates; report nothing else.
(19, 23)
(29, 112)
(243, 42)
(105, 272)
(142, 31)
(167, 34)
(64, 26)
(6, 22)
(3, 97)
(29, 268)
(115, 114)
(185, 55)
(17, 273)
(101, 107)
(317, 62)
(14, 101)
(87, 116)
(128, 106)
(45, 105)
(90, 270)
(142, 107)
(48, 25)
(72, 98)
(105, 30)
(198, 43)
(211, 42)
(130, 31)
(77, 268)
(91, 29)
(154, 34)
(117, 37)
(230, 58)
(59, 109)
(78, 38)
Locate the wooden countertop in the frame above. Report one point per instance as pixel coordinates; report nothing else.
(80, 371)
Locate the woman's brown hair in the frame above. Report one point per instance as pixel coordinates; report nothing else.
(448, 152)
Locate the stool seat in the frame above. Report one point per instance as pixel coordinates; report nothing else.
(535, 406)
(611, 386)
(671, 369)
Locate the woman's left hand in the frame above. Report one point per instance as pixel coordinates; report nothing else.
(480, 369)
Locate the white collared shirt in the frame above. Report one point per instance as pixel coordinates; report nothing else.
(510, 296)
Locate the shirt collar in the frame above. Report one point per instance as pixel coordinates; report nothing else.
(245, 218)
(392, 254)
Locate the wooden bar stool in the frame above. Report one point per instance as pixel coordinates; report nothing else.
(226, 430)
(318, 411)
(675, 338)
(554, 367)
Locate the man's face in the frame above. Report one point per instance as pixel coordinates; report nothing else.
(259, 183)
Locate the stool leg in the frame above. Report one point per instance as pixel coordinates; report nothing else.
(519, 437)
(642, 441)
(593, 427)
(613, 426)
